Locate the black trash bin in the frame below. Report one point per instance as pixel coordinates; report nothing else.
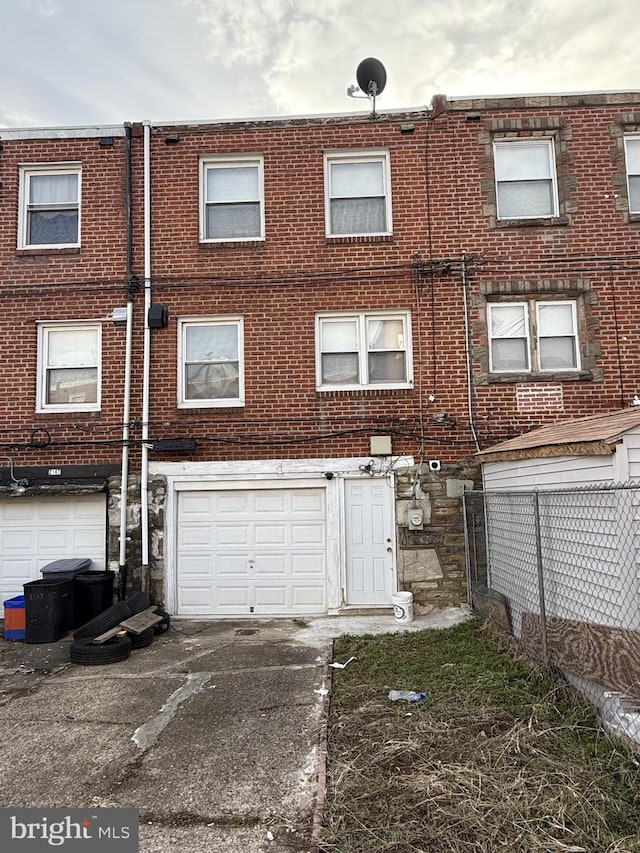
(47, 605)
(67, 570)
(92, 594)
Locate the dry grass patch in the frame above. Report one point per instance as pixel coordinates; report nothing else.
(497, 758)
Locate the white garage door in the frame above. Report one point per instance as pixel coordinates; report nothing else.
(37, 531)
(243, 552)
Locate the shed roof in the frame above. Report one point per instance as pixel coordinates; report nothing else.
(593, 435)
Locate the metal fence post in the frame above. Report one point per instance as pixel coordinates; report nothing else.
(543, 612)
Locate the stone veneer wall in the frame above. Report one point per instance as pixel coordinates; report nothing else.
(431, 561)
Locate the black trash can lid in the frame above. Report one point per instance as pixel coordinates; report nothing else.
(73, 564)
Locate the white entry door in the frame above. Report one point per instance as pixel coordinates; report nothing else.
(369, 542)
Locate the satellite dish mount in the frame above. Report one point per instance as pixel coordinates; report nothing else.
(372, 78)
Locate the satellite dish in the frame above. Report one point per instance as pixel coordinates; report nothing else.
(371, 76)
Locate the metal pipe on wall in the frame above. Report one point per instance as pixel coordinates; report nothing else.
(144, 473)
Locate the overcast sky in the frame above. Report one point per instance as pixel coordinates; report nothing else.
(79, 62)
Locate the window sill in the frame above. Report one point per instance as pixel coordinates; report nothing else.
(559, 376)
(361, 238)
(32, 251)
(249, 243)
(540, 222)
(323, 393)
(209, 406)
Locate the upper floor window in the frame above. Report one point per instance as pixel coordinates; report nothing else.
(358, 195)
(526, 186)
(211, 362)
(534, 336)
(355, 351)
(632, 157)
(232, 199)
(69, 356)
(49, 213)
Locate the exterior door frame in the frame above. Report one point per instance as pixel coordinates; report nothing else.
(389, 481)
(282, 473)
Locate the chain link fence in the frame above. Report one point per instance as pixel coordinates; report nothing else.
(560, 569)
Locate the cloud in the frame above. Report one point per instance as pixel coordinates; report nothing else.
(75, 62)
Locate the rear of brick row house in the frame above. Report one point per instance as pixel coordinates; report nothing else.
(292, 335)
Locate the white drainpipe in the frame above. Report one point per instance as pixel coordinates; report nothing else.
(144, 474)
(126, 410)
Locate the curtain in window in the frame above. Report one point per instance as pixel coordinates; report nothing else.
(212, 365)
(72, 372)
(357, 193)
(524, 180)
(508, 332)
(632, 149)
(339, 360)
(232, 203)
(52, 209)
(386, 363)
(557, 337)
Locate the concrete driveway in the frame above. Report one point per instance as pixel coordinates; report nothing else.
(213, 732)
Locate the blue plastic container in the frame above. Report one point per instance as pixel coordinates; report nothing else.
(14, 618)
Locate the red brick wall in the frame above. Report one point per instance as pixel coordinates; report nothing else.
(441, 178)
(62, 284)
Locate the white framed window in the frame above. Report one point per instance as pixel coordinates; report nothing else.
(232, 199)
(632, 159)
(49, 206)
(526, 186)
(363, 350)
(69, 367)
(357, 193)
(534, 336)
(211, 362)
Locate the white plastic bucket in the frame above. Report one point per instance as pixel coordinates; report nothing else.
(402, 606)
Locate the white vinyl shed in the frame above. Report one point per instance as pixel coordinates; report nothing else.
(561, 500)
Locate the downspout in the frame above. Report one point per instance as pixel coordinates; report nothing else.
(467, 348)
(144, 474)
(126, 407)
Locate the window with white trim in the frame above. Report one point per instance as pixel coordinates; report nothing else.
(210, 358)
(69, 367)
(536, 336)
(232, 199)
(355, 351)
(49, 212)
(357, 194)
(632, 159)
(525, 171)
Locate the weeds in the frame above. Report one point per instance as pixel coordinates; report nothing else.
(497, 758)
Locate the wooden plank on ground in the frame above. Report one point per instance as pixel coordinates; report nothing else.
(102, 638)
(141, 621)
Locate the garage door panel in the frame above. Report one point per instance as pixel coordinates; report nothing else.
(307, 534)
(273, 564)
(266, 544)
(35, 531)
(270, 501)
(307, 502)
(230, 565)
(231, 534)
(271, 534)
(307, 565)
(310, 598)
(196, 566)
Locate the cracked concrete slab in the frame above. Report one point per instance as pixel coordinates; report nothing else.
(213, 732)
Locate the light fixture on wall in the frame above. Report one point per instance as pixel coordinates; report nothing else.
(18, 487)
